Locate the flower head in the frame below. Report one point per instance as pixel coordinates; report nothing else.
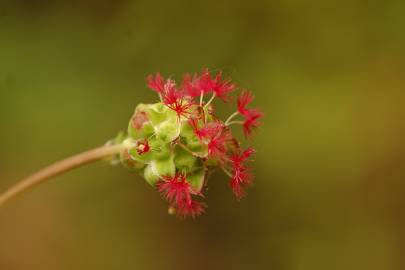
(179, 141)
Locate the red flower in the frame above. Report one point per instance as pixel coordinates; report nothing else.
(199, 132)
(242, 177)
(156, 83)
(177, 191)
(244, 99)
(222, 87)
(193, 209)
(171, 96)
(205, 82)
(238, 158)
(217, 145)
(180, 106)
(175, 99)
(195, 86)
(251, 115)
(198, 84)
(190, 85)
(251, 121)
(209, 130)
(142, 147)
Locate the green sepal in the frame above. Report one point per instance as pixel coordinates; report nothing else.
(164, 167)
(184, 160)
(139, 125)
(131, 164)
(157, 113)
(186, 130)
(144, 158)
(212, 162)
(196, 180)
(198, 147)
(146, 131)
(168, 130)
(160, 149)
(150, 176)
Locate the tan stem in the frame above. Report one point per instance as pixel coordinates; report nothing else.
(231, 117)
(59, 168)
(235, 123)
(209, 101)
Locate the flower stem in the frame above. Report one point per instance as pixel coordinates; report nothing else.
(59, 168)
(231, 117)
(201, 98)
(226, 172)
(234, 123)
(209, 101)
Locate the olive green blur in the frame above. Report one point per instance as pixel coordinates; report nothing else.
(330, 164)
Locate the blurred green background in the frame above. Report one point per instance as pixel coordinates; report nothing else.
(329, 75)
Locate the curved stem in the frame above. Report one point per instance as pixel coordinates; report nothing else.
(201, 98)
(227, 172)
(209, 101)
(231, 117)
(59, 168)
(235, 123)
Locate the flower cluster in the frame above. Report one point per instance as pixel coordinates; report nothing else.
(176, 142)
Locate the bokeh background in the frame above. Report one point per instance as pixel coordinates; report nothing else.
(329, 75)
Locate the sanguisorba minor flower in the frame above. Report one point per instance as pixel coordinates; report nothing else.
(176, 142)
